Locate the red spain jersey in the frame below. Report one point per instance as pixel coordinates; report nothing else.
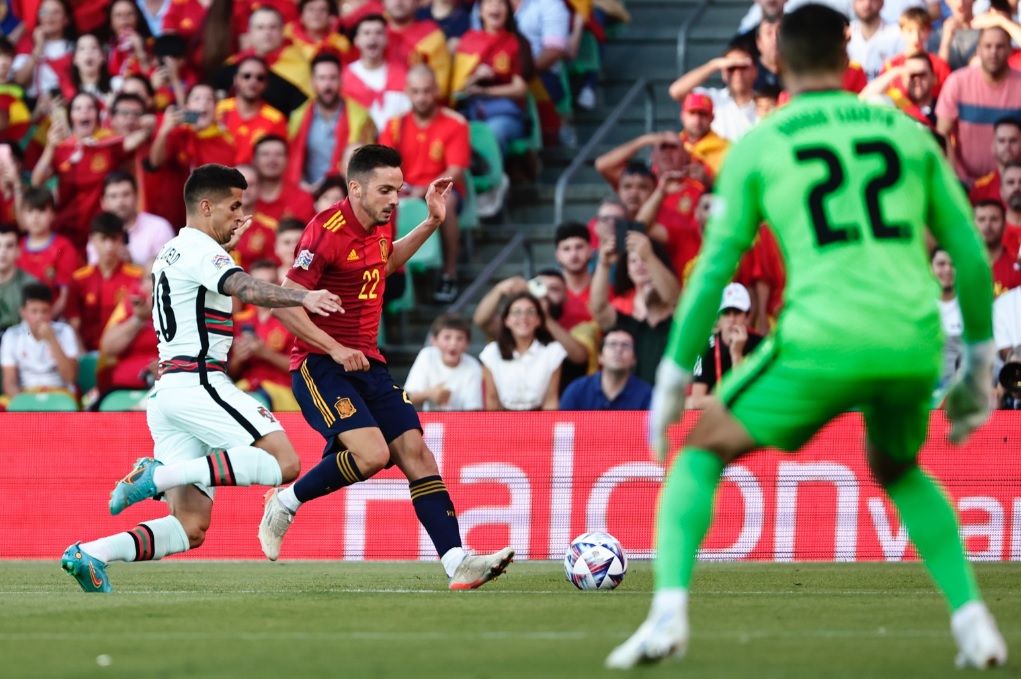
(986, 187)
(677, 215)
(1006, 273)
(256, 243)
(53, 264)
(81, 167)
(247, 131)
(274, 335)
(428, 151)
(92, 298)
(940, 69)
(339, 254)
(292, 202)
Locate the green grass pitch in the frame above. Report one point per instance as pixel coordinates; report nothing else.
(304, 619)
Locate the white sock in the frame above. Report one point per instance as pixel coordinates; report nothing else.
(670, 599)
(452, 559)
(117, 547)
(240, 466)
(288, 499)
(164, 536)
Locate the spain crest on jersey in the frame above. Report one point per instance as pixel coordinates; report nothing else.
(384, 250)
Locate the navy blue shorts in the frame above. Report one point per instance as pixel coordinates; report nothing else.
(334, 401)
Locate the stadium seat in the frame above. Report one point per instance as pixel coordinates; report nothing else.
(88, 364)
(400, 307)
(123, 399)
(485, 143)
(411, 213)
(43, 402)
(532, 141)
(588, 59)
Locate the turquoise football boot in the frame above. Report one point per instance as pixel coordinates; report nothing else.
(135, 487)
(89, 571)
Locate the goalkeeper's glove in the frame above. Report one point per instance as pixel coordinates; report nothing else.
(672, 383)
(967, 402)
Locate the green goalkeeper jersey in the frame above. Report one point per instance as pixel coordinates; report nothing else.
(849, 189)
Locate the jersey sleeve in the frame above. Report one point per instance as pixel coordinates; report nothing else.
(733, 222)
(417, 378)
(68, 261)
(212, 266)
(314, 252)
(949, 219)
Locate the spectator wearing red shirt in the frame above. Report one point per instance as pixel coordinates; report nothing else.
(46, 256)
(246, 115)
(414, 41)
(260, 356)
(44, 56)
(433, 141)
(81, 157)
(96, 290)
(1010, 188)
(915, 32)
(374, 82)
(972, 99)
(909, 86)
(990, 221)
(187, 145)
(323, 128)
(259, 240)
(1006, 149)
(129, 39)
(15, 118)
(128, 350)
(278, 196)
(573, 253)
(317, 31)
(265, 40)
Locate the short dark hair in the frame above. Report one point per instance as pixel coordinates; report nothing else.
(211, 181)
(37, 198)
(251, 57)
(330, 181)
(331, 3)
(451, 322)
(551, 271)
(324, 58)
(921, 56)
(991, 202)
(368, 18)
(767, 91)
(146, 85)
(126, 96)
(935, 251)
(36, 292)
(290, 224)
(1012, 165)
(119, 177)
(6, 46)
(108, 225)
(616, 328)
(10, 229)
(262, 264)
(570, 230)
(812, 40)
(639, 169)
(365, 160)
(268, 139)
(1007, 120)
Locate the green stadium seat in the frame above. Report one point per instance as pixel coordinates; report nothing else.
(122, 400)
(411, 213)
(43, 402)
(87, 367)
(485, 143)
(532, 142)
(400, 307)
(588, 59)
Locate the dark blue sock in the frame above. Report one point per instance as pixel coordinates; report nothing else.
(435, 511)
(332, 473)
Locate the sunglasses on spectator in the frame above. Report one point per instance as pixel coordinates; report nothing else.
(260, 77)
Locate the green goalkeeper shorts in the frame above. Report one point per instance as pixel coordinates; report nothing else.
(781, 406)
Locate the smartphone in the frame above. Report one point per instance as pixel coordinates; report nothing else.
(191, 117)
(622, 226)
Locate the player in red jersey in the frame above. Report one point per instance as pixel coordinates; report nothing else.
(339, 376)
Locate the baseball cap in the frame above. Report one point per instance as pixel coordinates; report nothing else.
(697, 101)
(735, 296)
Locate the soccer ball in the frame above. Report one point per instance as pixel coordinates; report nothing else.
(595, 561)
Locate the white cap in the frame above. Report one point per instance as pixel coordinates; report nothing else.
(735, 296)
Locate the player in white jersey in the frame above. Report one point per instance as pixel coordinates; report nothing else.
(205, 431)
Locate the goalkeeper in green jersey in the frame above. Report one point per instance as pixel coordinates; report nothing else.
(849, 190)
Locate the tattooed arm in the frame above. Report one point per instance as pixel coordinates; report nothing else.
(260, 293)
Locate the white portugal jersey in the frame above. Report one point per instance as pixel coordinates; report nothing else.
(192, 316)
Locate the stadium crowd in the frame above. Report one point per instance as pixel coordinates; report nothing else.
(105, 107)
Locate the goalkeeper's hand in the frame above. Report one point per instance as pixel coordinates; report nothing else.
(967, 402)
(672, 383)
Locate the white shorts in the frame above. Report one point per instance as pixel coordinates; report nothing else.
(189, 421)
